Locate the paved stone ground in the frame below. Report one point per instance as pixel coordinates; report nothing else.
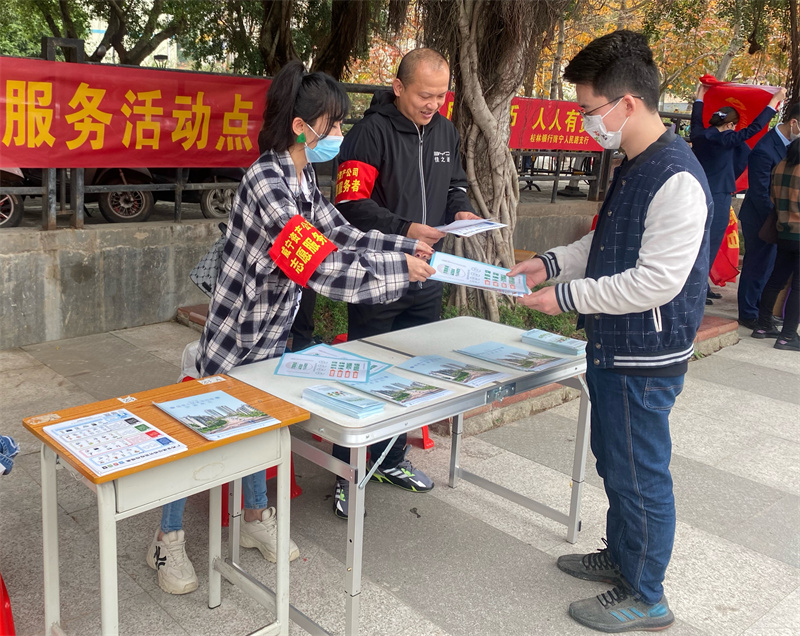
(453, 562)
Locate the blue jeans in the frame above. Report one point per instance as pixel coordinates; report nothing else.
(254, 488)
(631, 443)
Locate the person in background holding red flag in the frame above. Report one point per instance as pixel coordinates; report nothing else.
(756, 207)
(722, 152)
(786, 197)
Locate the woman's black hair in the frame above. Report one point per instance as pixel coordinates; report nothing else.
(793, 153)
(295, 93)
(724, 115)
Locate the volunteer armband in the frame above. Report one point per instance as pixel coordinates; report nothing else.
(354, 181)
(299, 249)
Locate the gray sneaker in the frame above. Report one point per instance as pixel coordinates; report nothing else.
(404, 476)
(595, 566)
(617, 611)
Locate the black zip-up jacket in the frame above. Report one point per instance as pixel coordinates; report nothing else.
(386, 162)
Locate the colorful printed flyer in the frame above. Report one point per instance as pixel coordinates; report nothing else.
(109, 442)
(452, 370)
(399, 390)
(300, 365)
(216, 415)
(327, 351)
(462, 271)
(358, 406)
(501, 354)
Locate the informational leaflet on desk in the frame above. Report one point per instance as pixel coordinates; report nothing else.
(519, 359)
(400, 390)
(301, 365)
(332, 397)
(452, 370)
(216, 415)
(109, 442)
(463, 271)
(554, 342)
(327, 351)
(470, 227)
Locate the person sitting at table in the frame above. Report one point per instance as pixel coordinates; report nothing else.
(282, 236)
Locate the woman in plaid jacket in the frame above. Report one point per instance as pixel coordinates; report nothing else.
(283, 235)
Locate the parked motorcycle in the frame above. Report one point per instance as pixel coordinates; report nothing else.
(11, 205)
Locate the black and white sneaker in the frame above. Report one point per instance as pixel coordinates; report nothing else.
(405, 476)
(340, 506)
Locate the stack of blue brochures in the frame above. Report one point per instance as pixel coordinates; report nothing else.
(357, 406)
(554, 342)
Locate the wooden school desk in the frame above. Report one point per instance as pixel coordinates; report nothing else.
(205, 465)
(441, 338)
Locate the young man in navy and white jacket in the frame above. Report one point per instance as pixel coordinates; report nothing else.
(639, 284)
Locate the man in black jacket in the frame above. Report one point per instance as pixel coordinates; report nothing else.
(400, 172)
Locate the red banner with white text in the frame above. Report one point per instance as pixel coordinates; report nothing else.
(55, 114)
(542, 124)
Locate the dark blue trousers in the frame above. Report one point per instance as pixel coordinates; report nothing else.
(632, 445)
(759, 258)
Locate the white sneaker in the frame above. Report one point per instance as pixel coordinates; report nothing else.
(264, 536)
(168, 558)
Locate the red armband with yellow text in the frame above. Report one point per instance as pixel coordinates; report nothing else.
(354, 181)
(299, 249)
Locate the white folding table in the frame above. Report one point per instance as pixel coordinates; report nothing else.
(441, 338)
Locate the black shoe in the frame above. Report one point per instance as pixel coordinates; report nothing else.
(788, 344)
(340, 503)
(709, 301)
(765, 332)
(714, 295)
(750, 323)
(595, 566)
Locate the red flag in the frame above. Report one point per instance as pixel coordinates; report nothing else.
(749, 100)
(726, 264)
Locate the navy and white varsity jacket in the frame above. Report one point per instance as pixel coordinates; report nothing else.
(639, 280)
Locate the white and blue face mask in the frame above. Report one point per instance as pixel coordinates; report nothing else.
(326, 149)
(595, 126)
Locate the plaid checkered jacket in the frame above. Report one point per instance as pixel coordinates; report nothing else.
(254, 302)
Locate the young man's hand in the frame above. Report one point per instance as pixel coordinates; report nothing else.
(534, 270)
(418, 269)
(424, 233)
(467, 216)
(543, 300)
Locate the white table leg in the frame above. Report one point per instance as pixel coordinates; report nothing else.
(107, 529)
(214, 546)
(579, 462)
(282, 551)
(455, 448)
(52, 598)
(355, 541)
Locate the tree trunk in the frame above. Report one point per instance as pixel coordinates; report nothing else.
(349, 36)
(275, 39)
(556, 89)
(793, 85)
(736, 44)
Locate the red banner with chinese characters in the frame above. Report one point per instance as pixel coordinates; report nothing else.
(542, 124)
(54, 114)
(748, 100)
